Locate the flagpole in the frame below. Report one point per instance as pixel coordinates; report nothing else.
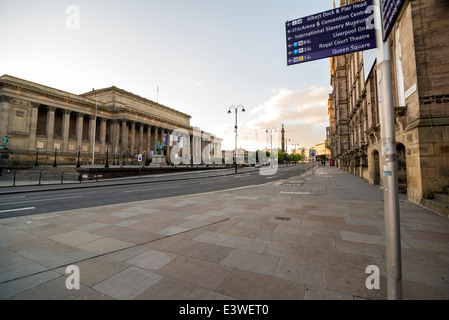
(95, 131)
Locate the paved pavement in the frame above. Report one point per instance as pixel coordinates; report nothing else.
(306, 238)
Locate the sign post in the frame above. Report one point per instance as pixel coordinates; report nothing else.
(389, 161)
(349, 29)
(312, 155)
(334, 32)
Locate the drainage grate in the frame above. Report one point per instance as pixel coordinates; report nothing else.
(282, 218)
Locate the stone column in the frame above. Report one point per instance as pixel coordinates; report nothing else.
(156, 135)
(116, 138)
(168, 131)
(91, 134)
(133, 137)
(50, 127)
(141, 145)
(65, 130)
(113, 139)
(191, 149)
(4, 115)
(79, 130)
(124, 136)
(103, 135)
(33, 126)
(149, 144)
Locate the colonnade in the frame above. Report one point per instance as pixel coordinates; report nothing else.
(70, 132)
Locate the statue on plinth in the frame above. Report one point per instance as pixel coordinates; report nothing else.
(158, 159)
(158, 147)
(4, 145)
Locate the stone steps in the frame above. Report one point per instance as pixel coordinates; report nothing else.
(439, 203)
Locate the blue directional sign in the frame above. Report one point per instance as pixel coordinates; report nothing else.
(390, 11)
(339, 31)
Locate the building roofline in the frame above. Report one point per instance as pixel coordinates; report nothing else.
(135, 96)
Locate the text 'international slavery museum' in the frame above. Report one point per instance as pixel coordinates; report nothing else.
(35, 119)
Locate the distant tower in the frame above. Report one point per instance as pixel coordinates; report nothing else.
(283, 138)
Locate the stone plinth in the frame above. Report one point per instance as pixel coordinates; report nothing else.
(5, 160)
(158, 161)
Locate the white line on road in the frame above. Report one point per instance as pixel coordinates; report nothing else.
(149, 189)
(286, 192)
(13, 198)
(19, 209)
(40, 200)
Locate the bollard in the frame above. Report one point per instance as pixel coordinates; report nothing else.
(14, 180)
(62, 177)
(40, 177)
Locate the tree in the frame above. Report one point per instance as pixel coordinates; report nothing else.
(280, 157)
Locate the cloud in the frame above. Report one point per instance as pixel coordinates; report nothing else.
(303, 112)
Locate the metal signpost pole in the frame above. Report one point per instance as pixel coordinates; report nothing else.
(341, 31)
(390, 181)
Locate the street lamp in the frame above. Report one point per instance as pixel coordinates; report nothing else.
(235, 151)
(271, 144)
(286, 150)
(55, 164)
(78, 163)
(107, 157)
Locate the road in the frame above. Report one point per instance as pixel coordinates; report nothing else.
(45, 199)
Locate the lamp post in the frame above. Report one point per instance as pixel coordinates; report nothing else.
(286, 149)
(107, 157)
(235, 151)
(55, 163)
(36, 163)
(271, 144)
(78, 163)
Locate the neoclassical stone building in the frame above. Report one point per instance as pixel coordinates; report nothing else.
(41, 119)
(420, 71)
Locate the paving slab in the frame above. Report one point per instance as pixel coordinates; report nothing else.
(282, 240)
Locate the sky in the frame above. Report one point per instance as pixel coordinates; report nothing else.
(197, 56)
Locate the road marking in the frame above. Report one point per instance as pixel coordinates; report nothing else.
(19, 209)
(286, 192)
(40, 200)
(12, 198)
(149, 189)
